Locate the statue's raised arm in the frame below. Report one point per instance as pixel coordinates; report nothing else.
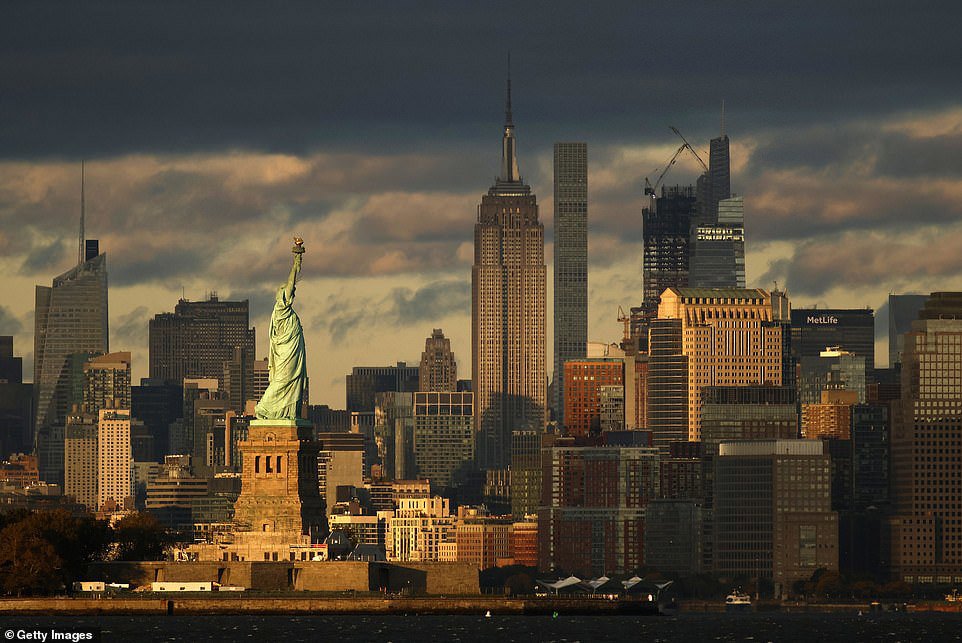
(287, 360)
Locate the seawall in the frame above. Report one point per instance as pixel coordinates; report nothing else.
(296, 605)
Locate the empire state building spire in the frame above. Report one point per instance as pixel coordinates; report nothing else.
(509, 150)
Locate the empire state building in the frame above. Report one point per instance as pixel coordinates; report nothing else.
(508, 310)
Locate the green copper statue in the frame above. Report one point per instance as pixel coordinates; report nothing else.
(287, 363)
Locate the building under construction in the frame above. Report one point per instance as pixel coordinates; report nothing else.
(667, 238)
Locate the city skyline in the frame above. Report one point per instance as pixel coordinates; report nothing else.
(185, 207)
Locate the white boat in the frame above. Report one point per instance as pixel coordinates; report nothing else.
(738, 601)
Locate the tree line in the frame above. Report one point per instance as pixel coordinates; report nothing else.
(44, 552)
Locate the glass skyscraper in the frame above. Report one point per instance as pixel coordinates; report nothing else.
(70, 317)
(718, 251)
(570, 261)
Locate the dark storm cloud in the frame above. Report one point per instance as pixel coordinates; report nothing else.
(10, 324)
(857, 260)
(431, 302)
(101, 79)
(344, 316)
(136, 264)
(902, 156)
(45, 258)
(130, 330)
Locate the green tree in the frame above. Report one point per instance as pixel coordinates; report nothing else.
(141, 536)
(830, 585)
(29, 564)
(46, 551)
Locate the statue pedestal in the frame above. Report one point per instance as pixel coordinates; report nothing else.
(279, 491)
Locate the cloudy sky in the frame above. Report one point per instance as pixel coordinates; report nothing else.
(213, 132)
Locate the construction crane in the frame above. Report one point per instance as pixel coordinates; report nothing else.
(649, 188)
(690, 148)
(625, 319)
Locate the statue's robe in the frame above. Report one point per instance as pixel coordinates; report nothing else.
(287, 363)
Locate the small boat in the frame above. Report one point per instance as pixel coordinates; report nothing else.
(953, 597)
(738, 601)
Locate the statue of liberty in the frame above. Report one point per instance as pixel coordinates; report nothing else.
(287, 362)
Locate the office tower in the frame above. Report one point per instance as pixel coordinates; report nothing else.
(852, 330)
(340, 463)
(926, 441)
(394, 434)
(328, 420)
(772, 512)
(239, 379)
(438, 370)
(197, 339)
(833, 368)
(115, 484)
(719, 172)
(444, 437)
(667, 224)
(667, 398)
(729, 338)
(525, 473)
(731, 413)
(16, 402)
(80, 459)
(206, 426)
(570, 262)
(262, 378)
(158, 405)
(170, 494)
(107, 382)
(903, 310)
(718, 249)
(508, 282)
(365, 382)
(71, 317)
(870, 456)
(680, 472)
(673, 536)
(582, 397)
(591, 519)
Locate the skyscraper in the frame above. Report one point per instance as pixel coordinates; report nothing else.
(667, 223)
(365, 382)
(730, 338)
(438, 370)
(815, 329)
(107, 382)
(198, 338)
(772, 511)
(16, 402)
(719, 171)
(115, 486)
(71, 317)
(925, 444)
(570, 261)
(508, 310)
(718, 249)
(903, 310)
